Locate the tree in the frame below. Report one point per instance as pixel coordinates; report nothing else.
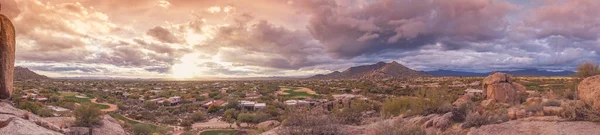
(87, 115)
(230, 116)
(199, 116)
(150, 105)
(587, 69)
(143, 129)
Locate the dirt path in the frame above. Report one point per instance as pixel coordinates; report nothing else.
(111, 109)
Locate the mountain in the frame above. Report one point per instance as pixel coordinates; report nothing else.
(523, 72)
(22, 73)
(380, 70)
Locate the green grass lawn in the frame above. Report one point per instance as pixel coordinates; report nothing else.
(101, 106)
(219, 132)
(76, 99)
(121, 117)
(67, 94)
(292, 93)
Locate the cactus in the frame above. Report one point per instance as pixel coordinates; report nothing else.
(7, 56)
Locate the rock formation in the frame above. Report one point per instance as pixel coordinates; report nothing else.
(7, 56)
(589, 91)
(501, 88)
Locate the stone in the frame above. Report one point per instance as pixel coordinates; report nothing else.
(109, 126)
(487, 102)
(7, 56)
(528, 127)
(552, 110)
(440, 122)
(20, 125)
(500, 87)
(462, 100)
(589, 92)
(268, 124)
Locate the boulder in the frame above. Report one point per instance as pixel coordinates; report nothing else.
(462, 100)
(589, 91)
(552, 110)
(500, 87)
(109, 126)
(440, 122)
(19, 122)
(7, 56)
(268, 124)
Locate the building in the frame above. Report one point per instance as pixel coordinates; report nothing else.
(174, 100)
(40, 99)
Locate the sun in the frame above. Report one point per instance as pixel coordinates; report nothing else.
(186, 69)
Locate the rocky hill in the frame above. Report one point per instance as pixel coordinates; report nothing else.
(22, 73)
(380, 70)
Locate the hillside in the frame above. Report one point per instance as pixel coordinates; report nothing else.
(524, 72)
(22, 73)
(380, 70)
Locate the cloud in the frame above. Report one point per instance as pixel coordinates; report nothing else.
(264, 44)
(403, 25)
(162, 35)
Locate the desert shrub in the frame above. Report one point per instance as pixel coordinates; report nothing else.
(460, 113)
(410, 106)
(199, 116)
(87, 115)
(533, 108)
(551, 103)
(45, 112)
(306, 123)
(398, 127)
(587, 69)
(144, 129)
(474, 119)
(577, 110)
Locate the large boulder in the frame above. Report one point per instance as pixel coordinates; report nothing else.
(589, 91)
(501, 88)
(14, 121)
(7, 56)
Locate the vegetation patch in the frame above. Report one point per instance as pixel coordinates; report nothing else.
(297, 92)
(76, 99)
(123, 118)
(219, 132)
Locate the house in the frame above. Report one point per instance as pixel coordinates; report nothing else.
(59, 111)
(260, 106)
(174, 100)
(215, 103)
(40, 99)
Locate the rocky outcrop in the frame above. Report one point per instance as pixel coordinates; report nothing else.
(24, 123)
(539, 126)
(589, 91)
(109, 126)
(501, 88)
(7, 56)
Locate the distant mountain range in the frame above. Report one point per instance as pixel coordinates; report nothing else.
(523, 72)
(380, 70)
(22, 73)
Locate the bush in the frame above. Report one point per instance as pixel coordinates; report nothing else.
(475, 119)
(398, 127)
(577, 110)
(551, 103)
(87, 115)
(199, 116)
(410, 106)
(144, 129)
(587, 69)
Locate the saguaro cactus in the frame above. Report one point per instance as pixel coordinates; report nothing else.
(7, 56)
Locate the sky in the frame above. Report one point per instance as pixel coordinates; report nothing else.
(263, 38)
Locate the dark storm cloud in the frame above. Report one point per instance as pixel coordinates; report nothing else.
(265, 44)
(162, 34)
(347, 31)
